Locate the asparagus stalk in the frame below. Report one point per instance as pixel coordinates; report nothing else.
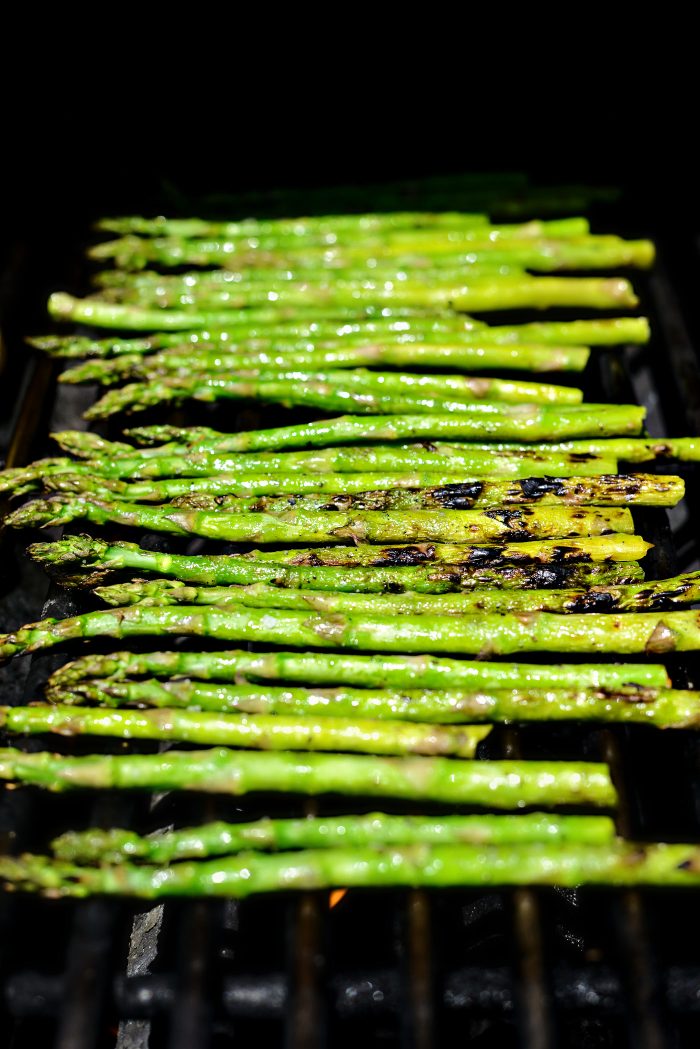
(426, 256)
(348, 429)
(605, 490)
(415, 355)
(353, 460)
(426, 569)
(134, 252)
(477, 634)
(464, 388)
(496, 784)
(64, 307)
(377, 828)
(459, 526)
(240, 730)
(301, 228)
(504, 293)
(629, 449)
(310, 390)
(419, 264)
(460, 328)
(362, 672)
(636, 597)
(663, 708)
(415, 254)
(317, 234)
(201, 493)
(595, 490)
(619, 863)
(457, 459)
(545, 551)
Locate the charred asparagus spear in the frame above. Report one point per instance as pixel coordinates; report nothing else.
(294, 473)
(636, 597)
(604, 490)
(424, 568)
(459, 526)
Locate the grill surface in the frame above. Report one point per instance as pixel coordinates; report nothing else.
(539, 968)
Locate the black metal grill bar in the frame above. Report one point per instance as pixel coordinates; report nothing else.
(419, 1017)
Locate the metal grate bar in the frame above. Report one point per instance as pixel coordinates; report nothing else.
(306, 1024)
(87, 976)
(190, 1018)
(419, 1016)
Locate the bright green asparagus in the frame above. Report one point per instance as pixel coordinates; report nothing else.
(499, 294)
(476, 634)
(474, 358)
(496, 784)
(618, 863)
(376, 828)
(636, 597)
(459, 327)
(261, 732)
(376, 672)
(664, 708)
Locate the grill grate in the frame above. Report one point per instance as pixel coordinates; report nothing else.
(539, 968)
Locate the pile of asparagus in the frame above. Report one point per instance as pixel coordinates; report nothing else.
(448, 515)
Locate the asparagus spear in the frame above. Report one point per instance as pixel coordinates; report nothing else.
(376, 828)
(134, 252)
(605, 490)
(640, 597)
(415, 255)
(596, 490)
(377, 672)
(426, 569)
(420, 264)
(201, 493)
(240, 730)
(459, 526)
(308, 390)
(426, 256)
(505, 293)
(430, 866)
(465, 330)
(316, 233)
(496, 784)
(664, 708)
(483, 634)
(474, 358)
(302, 227)
(461, 387)
(66, 307)
(348, 429)
(209, 442)
(391, 461)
